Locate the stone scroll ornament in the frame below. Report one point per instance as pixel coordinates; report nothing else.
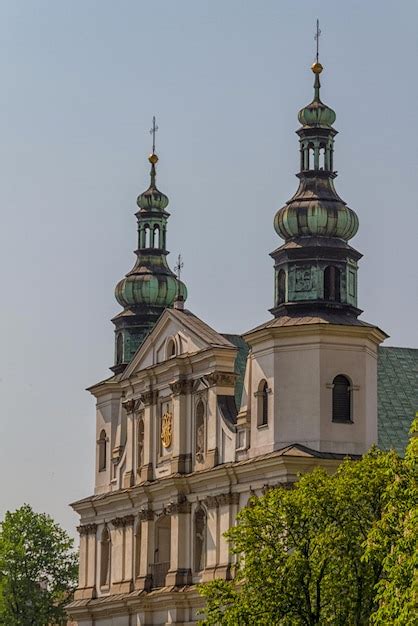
(167, 429)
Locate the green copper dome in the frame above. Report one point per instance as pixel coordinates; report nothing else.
(149, 289)
(317, 113)
(317, 211)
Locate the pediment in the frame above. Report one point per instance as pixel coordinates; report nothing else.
(176, 333)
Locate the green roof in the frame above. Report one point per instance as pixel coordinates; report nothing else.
(240, 364)
(397, 394)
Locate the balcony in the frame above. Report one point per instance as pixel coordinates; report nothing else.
(158, 573)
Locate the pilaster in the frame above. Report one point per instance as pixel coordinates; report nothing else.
(180, 572)
(122, 553)
(87, 565)
(149, 399)
(181, 457)
(144, 580)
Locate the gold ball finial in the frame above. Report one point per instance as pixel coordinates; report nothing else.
(153, 158)
(317, 67)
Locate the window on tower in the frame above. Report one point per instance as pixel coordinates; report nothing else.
(119, 349)
(341, 399)
(102, 443)
(262, 403)
(281, 287)
(332, 284)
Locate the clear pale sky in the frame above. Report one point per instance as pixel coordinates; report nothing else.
(80, 82)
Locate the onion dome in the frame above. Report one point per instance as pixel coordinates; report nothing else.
(144, 286)
(317, 113)
(152, 198)
(316, 210)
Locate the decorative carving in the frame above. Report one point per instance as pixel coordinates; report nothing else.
(303, 279)
(121, 522)
(146, 515)
(224, 379)
(181, 387)
(130, 406)
(149, 397)
(221, 499)
(180, 505)
(167, 429)
(116, 454)
(87, 529)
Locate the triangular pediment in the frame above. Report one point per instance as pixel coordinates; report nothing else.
(177, 332)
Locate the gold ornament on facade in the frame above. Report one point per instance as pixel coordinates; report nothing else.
(167, 429)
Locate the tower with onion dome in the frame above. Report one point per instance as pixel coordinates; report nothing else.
(316, 268)
(151, 286)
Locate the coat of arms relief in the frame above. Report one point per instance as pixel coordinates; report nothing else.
(167, 429)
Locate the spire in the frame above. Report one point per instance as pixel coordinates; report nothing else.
(151, 286)
(153, 158)
(315, 268)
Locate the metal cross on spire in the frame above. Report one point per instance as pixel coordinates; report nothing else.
(179, 266)
(317, 35)
(152, 132)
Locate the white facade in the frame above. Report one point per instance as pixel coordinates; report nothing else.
(176, 460)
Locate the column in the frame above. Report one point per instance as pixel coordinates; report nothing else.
(180, 567)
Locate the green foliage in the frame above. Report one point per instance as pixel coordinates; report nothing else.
(38, 569)
(394, 541)
(302, 552)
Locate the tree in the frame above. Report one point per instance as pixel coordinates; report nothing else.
(301, 551)
(394, 541)
(38, 569)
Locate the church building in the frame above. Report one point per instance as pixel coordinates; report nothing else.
(193, 422)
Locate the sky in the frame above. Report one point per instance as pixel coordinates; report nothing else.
(80, 82)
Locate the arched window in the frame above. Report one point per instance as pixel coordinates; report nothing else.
(200, 432)
(105, 558)
(138, 550)
(341, 399)
(147, 236)
(311, 153)
(281, 287)
(262, 403)
(171, 348)
(119, 349)
(322, 157)
(140, 443)
(199, 539)
(102, 443)
(156, 236)
(332, 281)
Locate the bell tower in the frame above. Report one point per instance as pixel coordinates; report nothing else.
(312, 373)
(151, 286)
(316, 268)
